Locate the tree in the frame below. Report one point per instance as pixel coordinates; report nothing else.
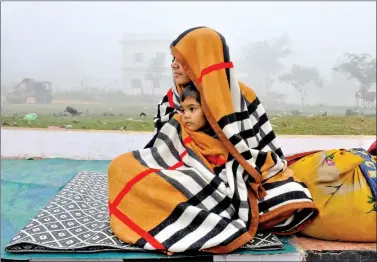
(302, 77)
(155, 71)
(363, 69)
(262, 59)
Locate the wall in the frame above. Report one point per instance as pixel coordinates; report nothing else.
(71, 144)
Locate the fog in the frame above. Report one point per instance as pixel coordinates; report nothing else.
(71, 42)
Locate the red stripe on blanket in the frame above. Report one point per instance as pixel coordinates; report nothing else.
(216, 67)
(144, 234)
(130, 184)
(216, 160)
(170, 98)
(180, 163)
(187, 140)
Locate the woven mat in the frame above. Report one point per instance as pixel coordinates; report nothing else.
(77, 220)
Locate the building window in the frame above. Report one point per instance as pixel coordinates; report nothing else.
(136, 83)
(138, 57)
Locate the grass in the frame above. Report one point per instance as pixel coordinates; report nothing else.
(125, 116)
(334, 125)
(92, 123)
(288, 125)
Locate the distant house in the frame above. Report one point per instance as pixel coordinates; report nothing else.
(138, 52)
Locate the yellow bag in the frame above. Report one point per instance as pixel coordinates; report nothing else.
(343, 187)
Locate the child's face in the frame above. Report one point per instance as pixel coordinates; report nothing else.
(192, 114)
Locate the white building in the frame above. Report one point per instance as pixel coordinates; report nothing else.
(138, 50)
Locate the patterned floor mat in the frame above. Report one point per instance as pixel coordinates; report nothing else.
(77, 220)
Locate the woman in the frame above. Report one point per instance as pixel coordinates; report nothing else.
(169, 197)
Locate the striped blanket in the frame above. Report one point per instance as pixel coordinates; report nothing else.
(187, 191)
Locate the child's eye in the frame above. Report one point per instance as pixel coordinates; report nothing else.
(192, 109)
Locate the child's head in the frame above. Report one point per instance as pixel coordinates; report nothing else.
(192, 113)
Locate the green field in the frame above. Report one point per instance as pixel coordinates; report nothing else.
(126, 116)
(290, 125)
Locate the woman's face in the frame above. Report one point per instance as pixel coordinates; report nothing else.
(180, 77)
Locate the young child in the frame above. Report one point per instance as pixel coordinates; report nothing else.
(193, 116)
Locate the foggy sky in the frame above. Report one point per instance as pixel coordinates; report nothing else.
(74, 39)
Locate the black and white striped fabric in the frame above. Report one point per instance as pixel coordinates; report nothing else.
(257, 133)
(216, 212)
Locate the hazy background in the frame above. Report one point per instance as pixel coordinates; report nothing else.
(65, 41)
